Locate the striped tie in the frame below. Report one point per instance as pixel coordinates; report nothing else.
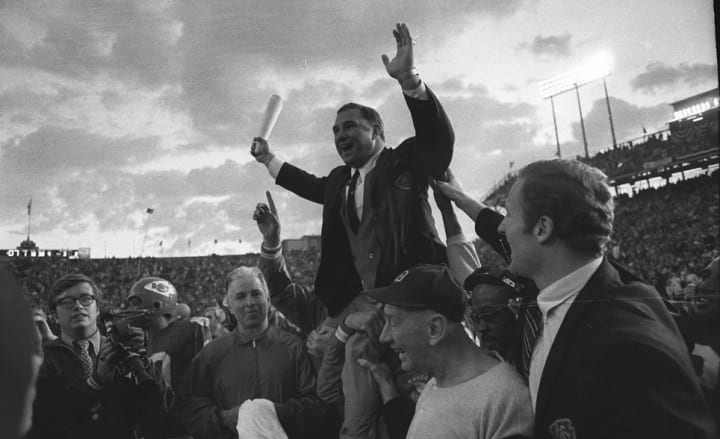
(532, 327)
(85, 358)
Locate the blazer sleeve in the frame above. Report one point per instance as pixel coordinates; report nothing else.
(299, 304)
(302, 183)
(432, 150)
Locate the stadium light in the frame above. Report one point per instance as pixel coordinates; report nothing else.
(594, 68)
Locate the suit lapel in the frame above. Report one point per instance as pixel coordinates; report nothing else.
(379, 173)
(594, 289)
(336, 183)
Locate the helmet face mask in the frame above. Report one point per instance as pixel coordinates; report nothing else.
(154, 295)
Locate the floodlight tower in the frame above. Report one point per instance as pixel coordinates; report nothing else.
(596, 67)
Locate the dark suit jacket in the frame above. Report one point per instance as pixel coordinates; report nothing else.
(618, 367)
(404, 225)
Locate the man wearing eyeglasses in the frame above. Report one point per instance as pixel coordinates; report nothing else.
(80, 393)
(492, 310)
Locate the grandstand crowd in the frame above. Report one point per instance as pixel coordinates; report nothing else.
(669, 251)
(572, 312)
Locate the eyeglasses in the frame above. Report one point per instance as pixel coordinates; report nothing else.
(68, 302)
(489, 312)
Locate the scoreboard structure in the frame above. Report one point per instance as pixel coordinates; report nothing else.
(80, 253)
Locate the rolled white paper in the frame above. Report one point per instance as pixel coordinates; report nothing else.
(271, 114)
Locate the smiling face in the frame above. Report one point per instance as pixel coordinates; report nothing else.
(79, 321)
(355, 139)
(492, 317)
(248, 299)
(406, 332)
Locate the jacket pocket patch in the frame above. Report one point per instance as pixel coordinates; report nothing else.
(562, 429)
(404, 181)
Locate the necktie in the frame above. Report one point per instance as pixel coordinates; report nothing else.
(85, 358)
(351, 205)
(532, 327)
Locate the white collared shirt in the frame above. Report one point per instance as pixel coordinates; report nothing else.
(360, 185)
(554, 302)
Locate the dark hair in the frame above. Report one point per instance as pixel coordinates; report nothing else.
(368, 114)
(68, 281)
(575, 196)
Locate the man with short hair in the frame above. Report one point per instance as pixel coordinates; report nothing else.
(258, 378)
(493, 299)
(376, 217)
(605, 357)
(80, 392)
(472, 393)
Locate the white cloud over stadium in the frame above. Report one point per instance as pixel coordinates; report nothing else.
(109, 108)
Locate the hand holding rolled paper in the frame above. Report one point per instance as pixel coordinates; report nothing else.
(260, 148)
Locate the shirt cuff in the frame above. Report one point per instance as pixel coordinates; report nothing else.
(269, 253)
(274, 167)
(456, 239)
(418, 93)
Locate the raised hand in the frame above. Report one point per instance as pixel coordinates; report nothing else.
(268, 224)
(450, 188)
(260, 149)
(404, 58)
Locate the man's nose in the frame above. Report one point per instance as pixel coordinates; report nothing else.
(78, 305)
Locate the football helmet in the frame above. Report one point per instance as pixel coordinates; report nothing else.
(155, 295)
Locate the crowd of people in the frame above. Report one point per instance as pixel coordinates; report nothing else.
(537, 330)
(670, 250)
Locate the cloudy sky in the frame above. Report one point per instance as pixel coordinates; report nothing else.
(110, 107)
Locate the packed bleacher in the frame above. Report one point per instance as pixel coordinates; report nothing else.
(668, 235)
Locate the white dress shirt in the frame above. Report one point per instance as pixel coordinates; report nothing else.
(554, 302)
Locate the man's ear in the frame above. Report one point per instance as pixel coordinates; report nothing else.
(543, 229)
(437, 326)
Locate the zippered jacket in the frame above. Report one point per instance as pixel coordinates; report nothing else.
(231, 369)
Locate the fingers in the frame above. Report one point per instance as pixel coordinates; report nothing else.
(271, 203)
(261, 212)
(402, 35)
(366, 364)
(259, 146)
(385, 60)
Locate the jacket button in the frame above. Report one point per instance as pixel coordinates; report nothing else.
(371, 255)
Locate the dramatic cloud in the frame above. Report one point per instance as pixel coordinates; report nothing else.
(659, 75)
(552, 46)
(109, 108)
